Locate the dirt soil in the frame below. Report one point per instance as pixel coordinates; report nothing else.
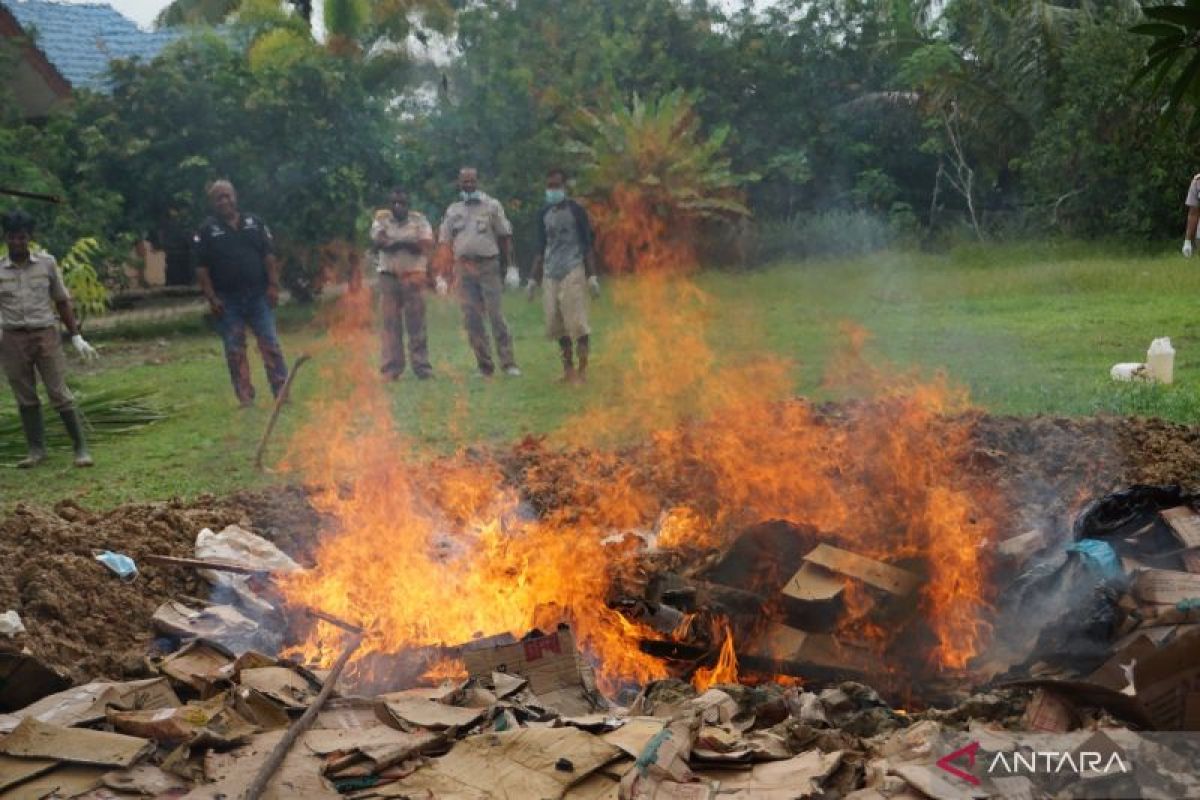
(81, 618)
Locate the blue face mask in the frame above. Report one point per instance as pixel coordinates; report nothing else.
(469, 196)
(555, 196)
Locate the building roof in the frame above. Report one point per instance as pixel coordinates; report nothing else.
(36, 86)
(80, 39)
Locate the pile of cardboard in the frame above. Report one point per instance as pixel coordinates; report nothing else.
(1148, 673)
(527, 723)
(527, 720)
(798, 628)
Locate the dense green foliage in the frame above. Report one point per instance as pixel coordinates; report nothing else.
(913, 119)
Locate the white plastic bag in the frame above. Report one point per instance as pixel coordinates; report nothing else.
(235, 545)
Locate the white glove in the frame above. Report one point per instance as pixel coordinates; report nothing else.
(512, 278)
(594, 285)
(441, 286)
(85, 350)
(530, 288)
(1187, 248)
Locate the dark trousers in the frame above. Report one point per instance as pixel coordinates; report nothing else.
(402, 306)
(250, 310)
(480, 291)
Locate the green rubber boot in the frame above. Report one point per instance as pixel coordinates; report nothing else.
(70, 418)
(35, 436)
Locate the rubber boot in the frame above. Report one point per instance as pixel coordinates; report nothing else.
(581, 353)
(70, 418)
(564, 345)
(35, 436)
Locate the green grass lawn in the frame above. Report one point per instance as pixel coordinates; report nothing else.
(1029, 329)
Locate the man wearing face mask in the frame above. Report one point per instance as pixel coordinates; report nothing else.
(404, 239)
(565, 263)
(479, 234)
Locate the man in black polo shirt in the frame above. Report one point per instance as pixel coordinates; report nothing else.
(239, 276)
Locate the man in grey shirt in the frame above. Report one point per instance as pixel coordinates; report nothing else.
(566, 267)
(32, 300)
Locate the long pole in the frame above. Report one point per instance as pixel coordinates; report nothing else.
(45, 198)
(276, 758)
(279, 401)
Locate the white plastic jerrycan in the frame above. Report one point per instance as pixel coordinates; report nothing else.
(1160, 360)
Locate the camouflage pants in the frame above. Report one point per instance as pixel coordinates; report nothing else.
(250, 311)
(402, 306)
(480, 291)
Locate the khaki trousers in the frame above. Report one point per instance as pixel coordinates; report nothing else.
(27, 354)
(565, 302)
(479, 292)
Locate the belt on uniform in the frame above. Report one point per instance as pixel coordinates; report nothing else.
(479, 258)
(26, 328)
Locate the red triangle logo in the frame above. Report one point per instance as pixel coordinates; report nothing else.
(946, 763)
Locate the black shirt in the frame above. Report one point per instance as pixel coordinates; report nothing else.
(236, 258)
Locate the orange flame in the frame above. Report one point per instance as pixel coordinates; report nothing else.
(724, 671)
(438, 551)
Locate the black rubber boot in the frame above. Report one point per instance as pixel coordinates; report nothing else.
(70, 418)
(581, 354)
(35, 436)
(568, 361)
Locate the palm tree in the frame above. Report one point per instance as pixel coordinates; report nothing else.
(650, 173)
(1175, 53)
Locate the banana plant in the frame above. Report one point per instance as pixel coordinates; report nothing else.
(1174, 56)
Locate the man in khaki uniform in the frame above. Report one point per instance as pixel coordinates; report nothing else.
(479, 233)
(31, 292)
(1192, 201)
(404, 239)
(565, 262)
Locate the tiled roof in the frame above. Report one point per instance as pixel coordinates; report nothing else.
(81, 38)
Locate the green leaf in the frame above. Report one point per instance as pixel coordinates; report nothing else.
(1187, 17)
(1157, 29)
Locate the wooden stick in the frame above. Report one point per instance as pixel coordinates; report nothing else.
(276, 758)
(349, 627)
(45, 198)
(199, 563)
(279, 401)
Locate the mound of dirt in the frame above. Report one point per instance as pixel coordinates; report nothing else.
(1048, 468)
(83, 619)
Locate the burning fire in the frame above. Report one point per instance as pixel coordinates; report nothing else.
(725, 670)
(435, 551)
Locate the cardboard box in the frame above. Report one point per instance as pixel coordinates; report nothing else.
(814, 597)
(1019, 548)
(1049, 712)
(867, 570)
(1184, 524)
(36, 739)
(1168, 684)
(1165, 586)
(551, 664)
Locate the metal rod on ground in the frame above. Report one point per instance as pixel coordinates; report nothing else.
(279, 401)
(199, 563)
(275, 759)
